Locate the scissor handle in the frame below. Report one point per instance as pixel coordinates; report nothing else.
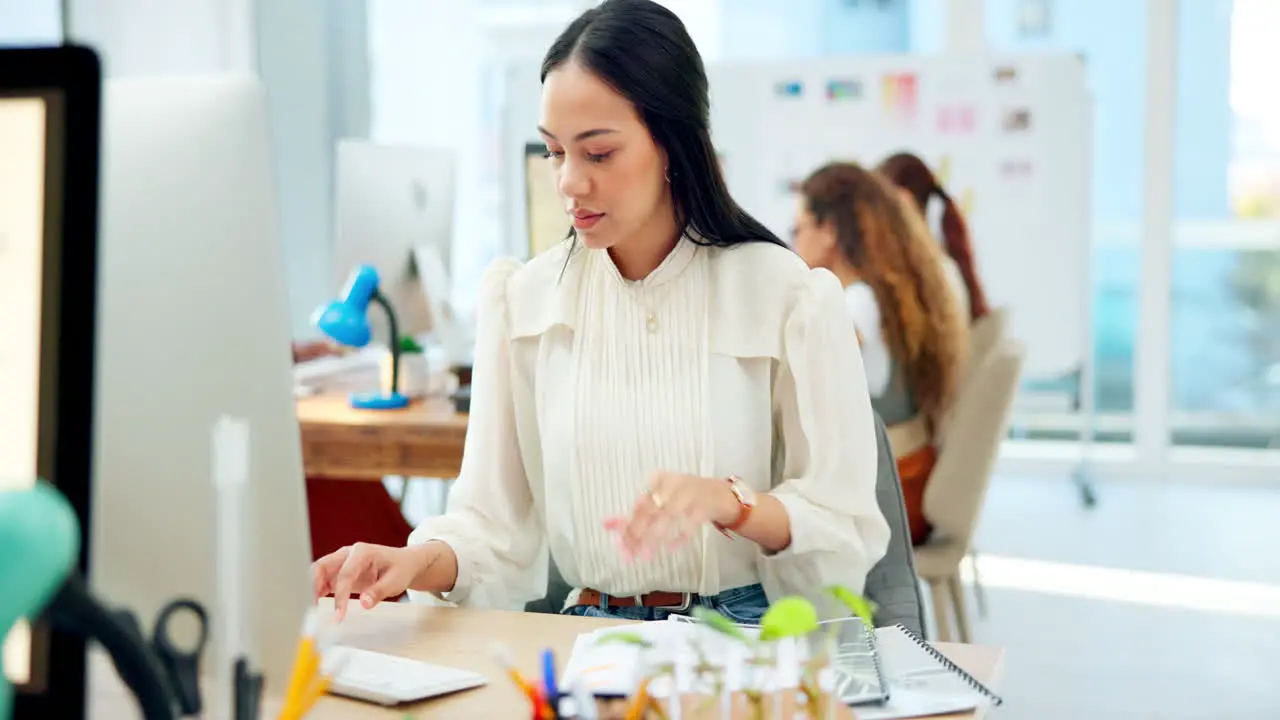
(182, 667)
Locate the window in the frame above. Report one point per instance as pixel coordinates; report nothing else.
(1112, 39)
(1225, 331)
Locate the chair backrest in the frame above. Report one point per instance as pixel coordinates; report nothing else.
(892, 583)
(557, 592)
(978, 422)
(985, 334)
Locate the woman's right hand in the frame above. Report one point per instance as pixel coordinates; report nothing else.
(374, 572)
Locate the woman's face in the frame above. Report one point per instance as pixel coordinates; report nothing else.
(814, 242)
(608, 170)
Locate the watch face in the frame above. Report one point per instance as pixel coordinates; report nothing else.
(745, 494)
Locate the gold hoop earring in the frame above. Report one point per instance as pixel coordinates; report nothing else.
(666, 175)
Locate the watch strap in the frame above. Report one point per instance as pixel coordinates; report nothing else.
(744, 508)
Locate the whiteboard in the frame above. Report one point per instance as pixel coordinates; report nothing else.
(1009, 137)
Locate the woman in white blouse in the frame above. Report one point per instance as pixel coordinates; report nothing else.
(671, 402)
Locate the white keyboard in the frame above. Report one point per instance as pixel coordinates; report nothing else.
(391, 680)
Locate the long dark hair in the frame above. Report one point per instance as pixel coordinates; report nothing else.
(910, 173)
(642, 50)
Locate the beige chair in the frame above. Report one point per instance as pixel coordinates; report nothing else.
(985, 334)
(958, 486)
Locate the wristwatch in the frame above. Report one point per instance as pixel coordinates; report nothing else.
(746, 503)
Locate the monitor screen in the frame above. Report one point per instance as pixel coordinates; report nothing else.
(28, 190)
(545, 214)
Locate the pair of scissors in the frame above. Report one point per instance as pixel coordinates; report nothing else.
(180, 665)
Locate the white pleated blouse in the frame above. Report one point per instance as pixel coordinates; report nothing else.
(738, 361)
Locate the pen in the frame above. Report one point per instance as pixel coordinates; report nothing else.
(549, 681)
(312, 695)
(503, 657)
(248, 691)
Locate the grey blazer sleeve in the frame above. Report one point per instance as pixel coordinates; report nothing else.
(892, 583)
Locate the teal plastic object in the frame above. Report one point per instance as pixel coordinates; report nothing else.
(39, 543)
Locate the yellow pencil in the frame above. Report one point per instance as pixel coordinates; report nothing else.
(311, 696)
(639, 702)
(305, 663)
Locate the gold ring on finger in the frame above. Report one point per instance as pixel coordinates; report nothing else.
(657, 500)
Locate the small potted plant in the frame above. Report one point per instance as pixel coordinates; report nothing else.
(790, 652)
(415, 374)
(792, 620)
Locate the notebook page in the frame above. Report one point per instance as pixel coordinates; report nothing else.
(919, 686)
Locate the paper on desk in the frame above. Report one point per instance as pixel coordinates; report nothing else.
(918, 685)
(911, 702)
(605, 667)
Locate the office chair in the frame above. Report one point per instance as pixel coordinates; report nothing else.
(958, 486)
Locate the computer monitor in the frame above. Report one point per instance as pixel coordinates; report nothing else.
(391, 200)
(49, 129)
(545, 216)
(194, 325)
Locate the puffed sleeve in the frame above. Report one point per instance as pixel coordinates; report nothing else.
(491, 521)
(829, 449)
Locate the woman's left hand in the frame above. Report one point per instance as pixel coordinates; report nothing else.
(675, 506)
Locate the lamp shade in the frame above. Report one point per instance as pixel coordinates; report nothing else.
(346, 320)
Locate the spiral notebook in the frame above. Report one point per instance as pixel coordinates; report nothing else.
(922, 681)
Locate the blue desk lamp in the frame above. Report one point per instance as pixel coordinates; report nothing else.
(346, 321)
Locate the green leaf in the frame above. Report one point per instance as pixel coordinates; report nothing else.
(788, 617)
(857, 604)
(410, 345)
(718, 622)
(625, 638)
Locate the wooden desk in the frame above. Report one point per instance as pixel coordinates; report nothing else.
(462, 639)
(338, 441)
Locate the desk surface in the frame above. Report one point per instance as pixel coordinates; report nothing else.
(338, 441)
(334, 410)
(462, 639)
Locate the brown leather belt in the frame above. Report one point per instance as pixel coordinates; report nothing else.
(665, 600)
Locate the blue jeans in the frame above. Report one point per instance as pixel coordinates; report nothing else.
(744, 604)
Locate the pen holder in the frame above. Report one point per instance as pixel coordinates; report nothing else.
(41, 539)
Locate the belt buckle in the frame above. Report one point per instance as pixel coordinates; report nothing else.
(684, 605)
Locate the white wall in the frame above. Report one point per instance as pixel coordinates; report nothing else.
(150, 37)
(312, 57)
(30, 22)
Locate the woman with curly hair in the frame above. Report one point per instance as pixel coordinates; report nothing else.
(914, 334)
(914, 177)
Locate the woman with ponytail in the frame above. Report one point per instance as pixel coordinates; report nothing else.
(910, 173)
(912, 328)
